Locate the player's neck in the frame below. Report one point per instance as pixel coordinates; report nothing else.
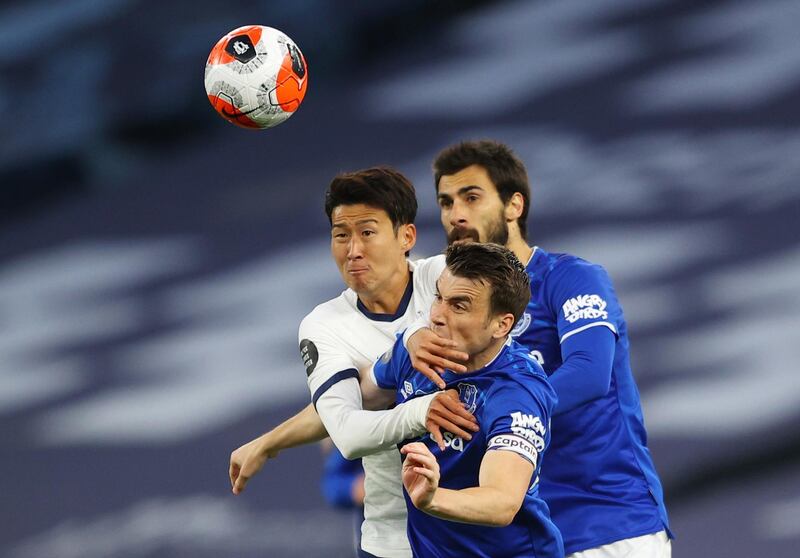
(486, 356)
(387, 297)
(520, 248)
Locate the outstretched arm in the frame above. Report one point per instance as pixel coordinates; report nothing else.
(503, 481)
(357, 432)
(303, 428)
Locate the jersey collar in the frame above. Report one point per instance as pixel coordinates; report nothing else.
(401, 309)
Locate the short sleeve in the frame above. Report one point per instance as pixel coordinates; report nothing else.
(393, 366)
(324, 357)
(517, 421)
(581, 296)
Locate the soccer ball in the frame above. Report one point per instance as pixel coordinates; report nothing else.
(256, 77)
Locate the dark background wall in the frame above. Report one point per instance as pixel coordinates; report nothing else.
(155, 261)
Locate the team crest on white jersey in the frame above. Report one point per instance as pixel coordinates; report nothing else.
(521, 325)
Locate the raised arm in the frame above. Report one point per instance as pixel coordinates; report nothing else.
(504, 479)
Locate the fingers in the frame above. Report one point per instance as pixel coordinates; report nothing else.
(420, 455)
(431, 353)
(430, 373)
(445, 424)
(233, 473)
(436, 434)
(414, 447)
(450, 407)
(238, 487)
(440, 358)
(445, 350)
(425, 472)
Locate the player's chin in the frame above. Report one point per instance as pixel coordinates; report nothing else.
(358, 281)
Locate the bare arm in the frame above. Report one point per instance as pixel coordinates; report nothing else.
(503, 481)
(303, 428)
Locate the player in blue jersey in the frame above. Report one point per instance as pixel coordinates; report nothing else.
(599, 481)
(478, 497)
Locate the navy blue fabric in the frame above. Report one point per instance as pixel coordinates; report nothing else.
(333, 380)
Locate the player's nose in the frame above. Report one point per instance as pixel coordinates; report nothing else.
(355, 249)
(437, 316)
(458, 217)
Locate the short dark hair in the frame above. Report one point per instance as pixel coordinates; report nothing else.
(379, 187)
(505, 169)
(496, 266)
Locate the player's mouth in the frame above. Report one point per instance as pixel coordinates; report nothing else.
(463, 234)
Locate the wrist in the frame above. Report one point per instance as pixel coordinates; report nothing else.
(411, 330)
(265, 445)
(432, 505)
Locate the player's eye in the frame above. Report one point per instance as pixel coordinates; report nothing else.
(445, 203)
(367, 233)
(472, 198)
(340, 236)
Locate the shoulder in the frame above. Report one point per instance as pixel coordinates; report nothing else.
(325, 316)
(519, 375)
(427, 269)
(567, 264)
(565, 270)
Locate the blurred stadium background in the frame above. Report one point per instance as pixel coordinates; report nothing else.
(155, 261)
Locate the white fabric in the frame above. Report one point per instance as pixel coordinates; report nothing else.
(419, 323)
(344, 338)
(655, 545)
(357, 432)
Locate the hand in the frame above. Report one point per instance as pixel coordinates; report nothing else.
(248, 460)
(432, 354)
(448, 412)
(420, 474)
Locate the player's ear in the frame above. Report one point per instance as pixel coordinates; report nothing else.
(514, 207)
(407, 234)
(504, 324)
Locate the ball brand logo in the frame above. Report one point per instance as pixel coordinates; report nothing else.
(241, 48)
(298, 67)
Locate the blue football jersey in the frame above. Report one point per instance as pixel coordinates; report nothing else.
(512, 401)
(599, 480)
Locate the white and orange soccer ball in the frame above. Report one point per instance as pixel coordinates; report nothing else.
(256, 77)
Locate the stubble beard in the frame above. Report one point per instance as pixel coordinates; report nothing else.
(496, 233)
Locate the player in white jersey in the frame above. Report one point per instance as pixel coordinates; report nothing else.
(371, 214)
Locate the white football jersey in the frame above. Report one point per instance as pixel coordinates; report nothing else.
(339, 338)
